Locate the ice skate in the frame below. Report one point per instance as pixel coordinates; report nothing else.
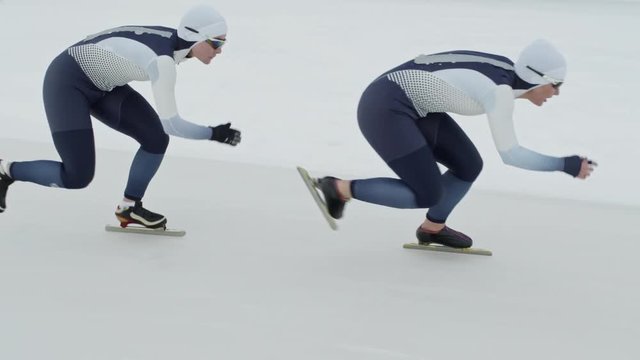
(446, 236)
(329, 189)
(445, 240)
(313, 187)
(5, 181)
(138, 215)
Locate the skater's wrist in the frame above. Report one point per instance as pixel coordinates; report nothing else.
(572, 165)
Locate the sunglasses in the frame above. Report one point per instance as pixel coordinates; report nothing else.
(215, 43)
(554, 82)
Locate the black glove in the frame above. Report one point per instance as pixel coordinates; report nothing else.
(572, 165)
(225, 134)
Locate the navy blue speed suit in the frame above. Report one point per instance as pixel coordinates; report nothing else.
(90, 79)
(403, 114)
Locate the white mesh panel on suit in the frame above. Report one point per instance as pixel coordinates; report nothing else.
(105, 68)
(430, 94)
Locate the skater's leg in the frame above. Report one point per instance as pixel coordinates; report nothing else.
(453, 149)
(77, 151)
(67, 93)
(389, 125)
(126, 111)
(393, 131)
(418, 187)
(143, 168)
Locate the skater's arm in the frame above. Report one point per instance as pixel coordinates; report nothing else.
(500, 114)
(163, 82)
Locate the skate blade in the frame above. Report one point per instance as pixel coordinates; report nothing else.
(144, 230)
(442, 248)
(124, 222)
(311, 186)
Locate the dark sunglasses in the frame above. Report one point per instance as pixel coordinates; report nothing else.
(554, 82)
(215, 43)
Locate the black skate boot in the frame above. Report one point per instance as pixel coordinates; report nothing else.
(446, 236)
(139, 215)
(335, 203)
(5, 181)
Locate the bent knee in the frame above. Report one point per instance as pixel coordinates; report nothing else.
(78, 181)
(475, 171)
(158, 145)
(471, 172)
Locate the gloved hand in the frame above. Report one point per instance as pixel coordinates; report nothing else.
(578, 166)
(586, 168)
(225, 134)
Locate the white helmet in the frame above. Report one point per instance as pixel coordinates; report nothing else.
(200, 23)
(541, 63)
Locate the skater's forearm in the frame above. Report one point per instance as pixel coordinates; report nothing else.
(524, 158)
(177, 126)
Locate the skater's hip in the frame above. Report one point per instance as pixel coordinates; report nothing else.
(67, 95)
(65, 75)
(387, 119)
(383, 96)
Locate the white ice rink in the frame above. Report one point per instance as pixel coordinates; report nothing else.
(259, 274)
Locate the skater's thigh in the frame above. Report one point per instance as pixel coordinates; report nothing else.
(451, 146)
(128, 112)
(67, 94)
(67, 109)
(389, 123)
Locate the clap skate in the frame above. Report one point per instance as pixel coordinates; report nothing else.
(137, 219)
(331, 207)
(447, 237)
(446, 240)
(139, 215)
(333, 200)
